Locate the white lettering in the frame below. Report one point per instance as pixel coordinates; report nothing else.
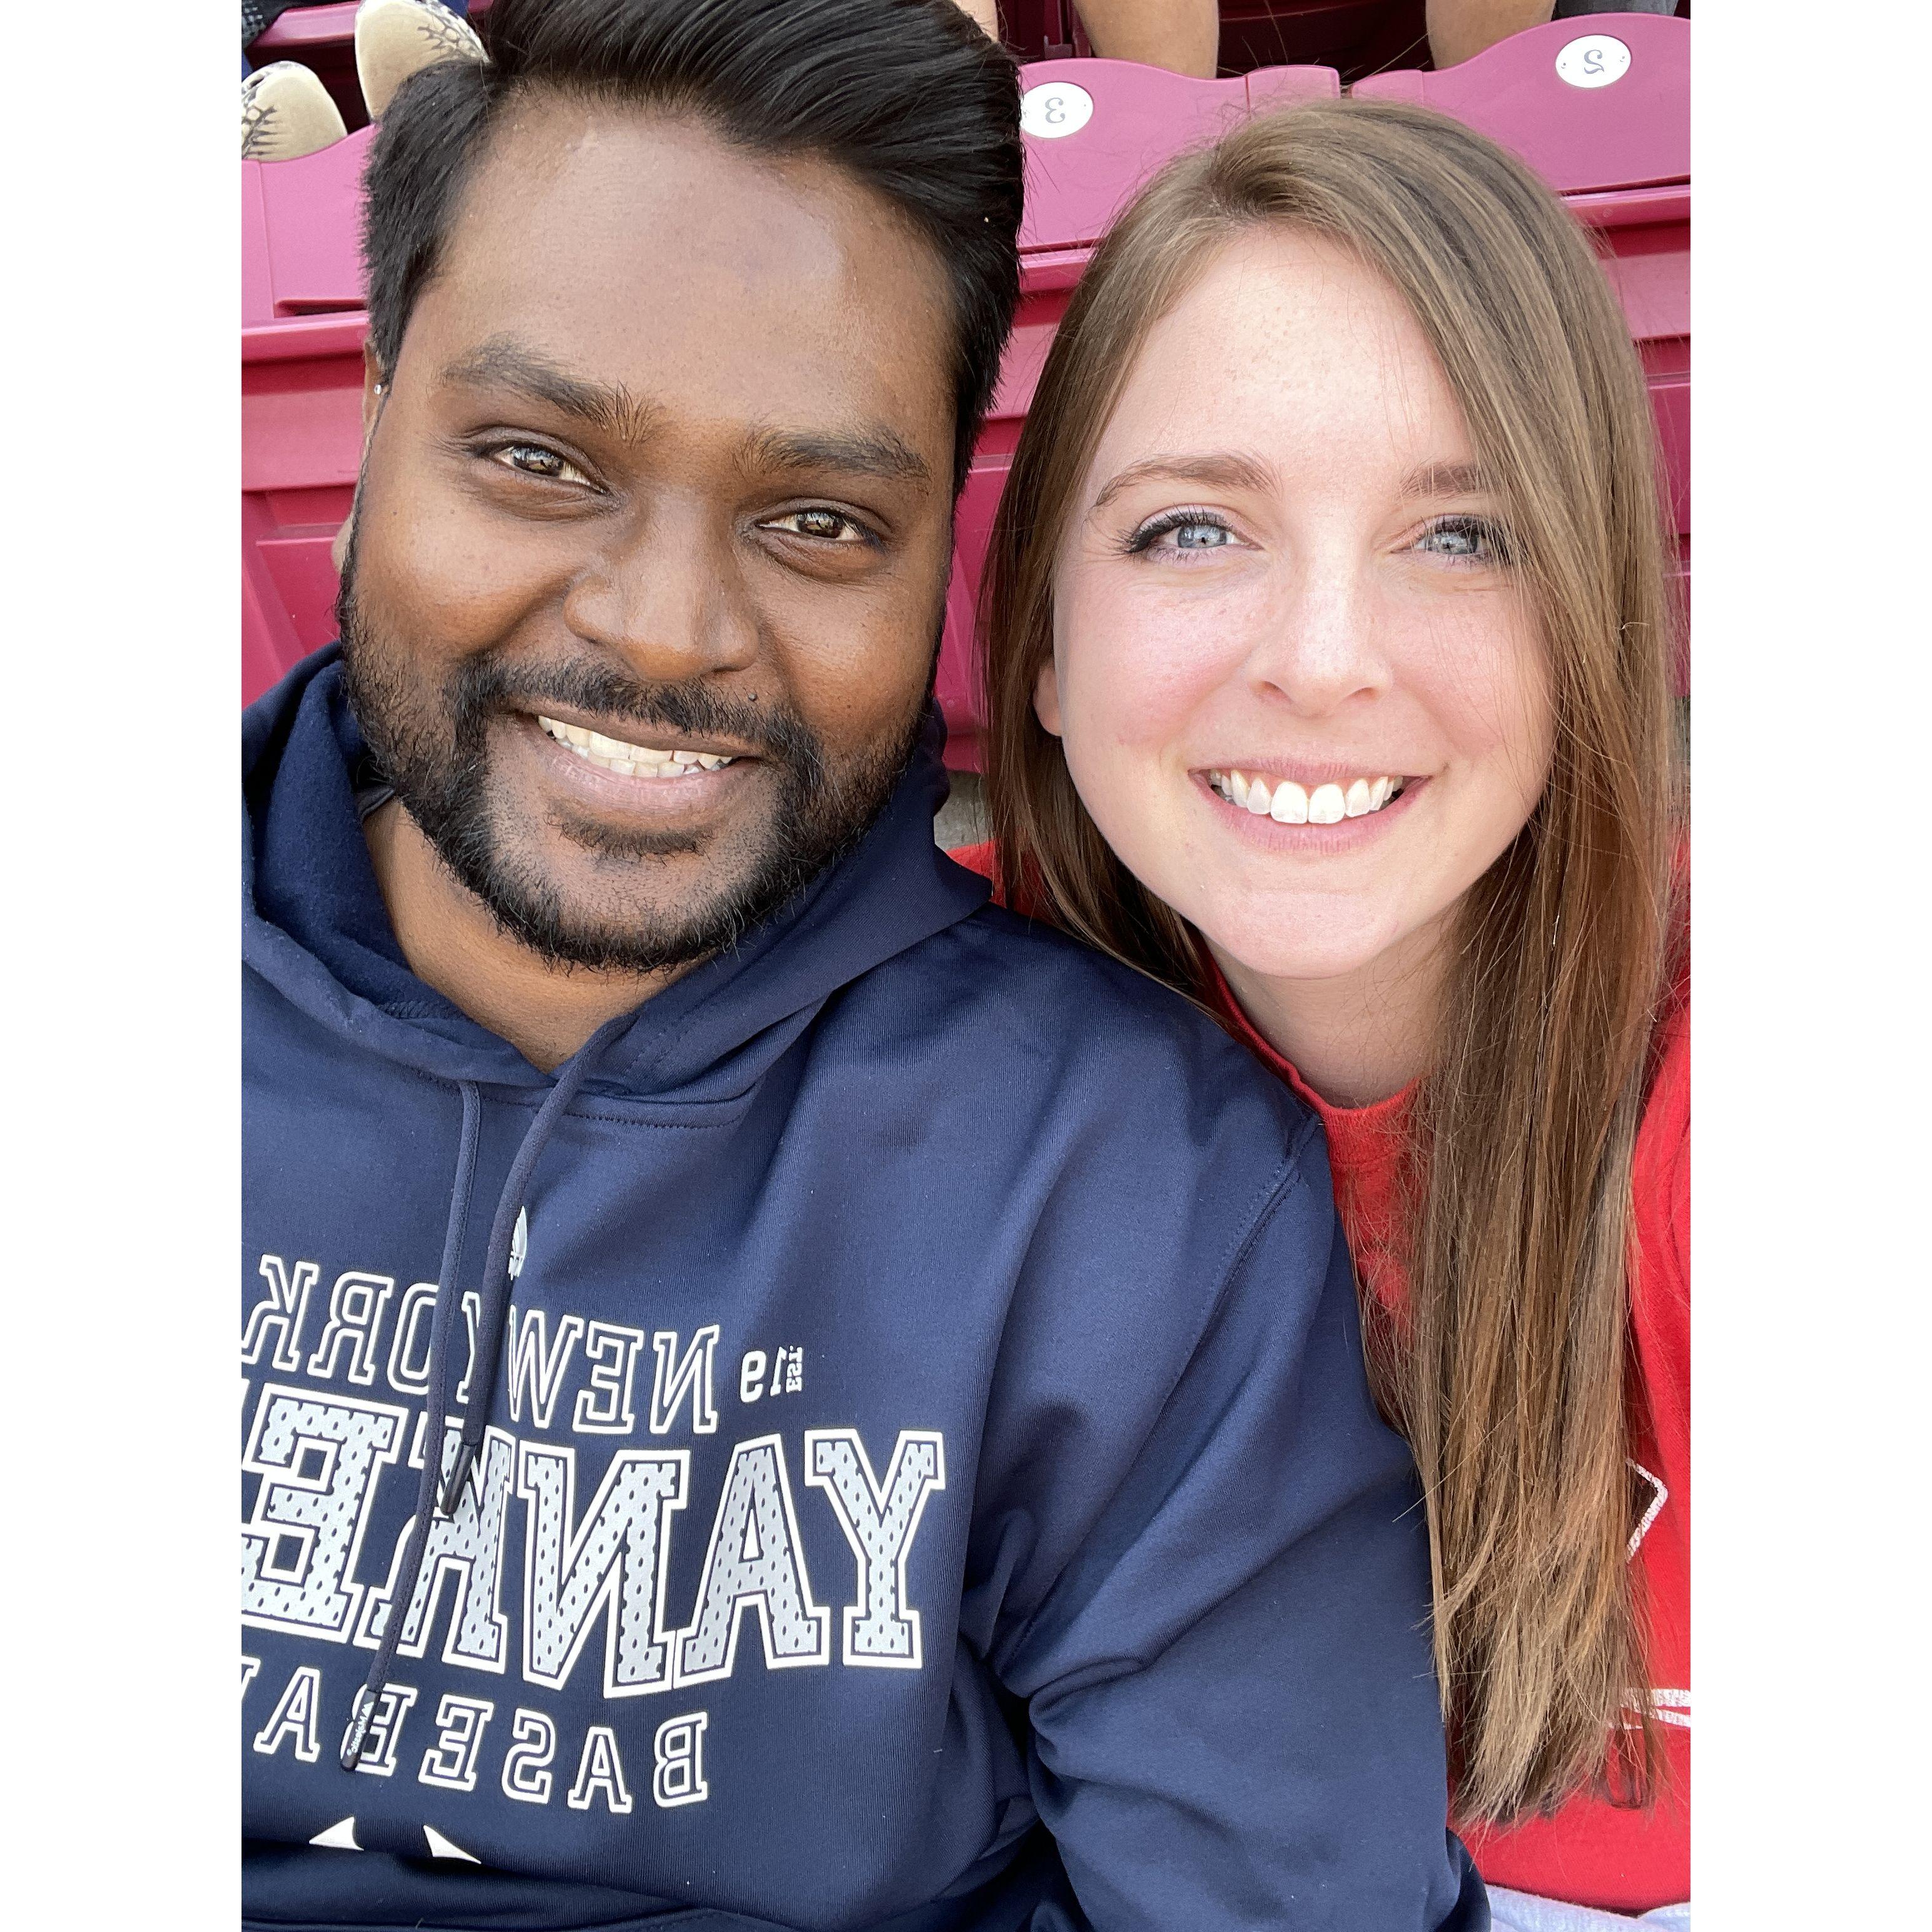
(677, 1762)
(692, 1371)
(450, 1763)
(879, 1523)
(613, 1562)
(281, 1308)
(604, 1408)
(355, 1306)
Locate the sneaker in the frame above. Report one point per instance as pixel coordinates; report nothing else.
(286, 113)
(396, 38)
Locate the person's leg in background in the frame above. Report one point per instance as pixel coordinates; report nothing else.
(1183, 36)
(1458, 29)
(985, 14)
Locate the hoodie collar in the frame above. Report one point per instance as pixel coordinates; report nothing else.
(314, 924)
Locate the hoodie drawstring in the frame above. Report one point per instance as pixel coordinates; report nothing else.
(438, 1495)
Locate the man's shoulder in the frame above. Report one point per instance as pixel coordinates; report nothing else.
(1018, 1000)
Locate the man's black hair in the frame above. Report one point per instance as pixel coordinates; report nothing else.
(907, 96)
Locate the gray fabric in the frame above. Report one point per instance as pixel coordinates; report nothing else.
(1519, 1911)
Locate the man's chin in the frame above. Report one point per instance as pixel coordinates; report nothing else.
(592, 910)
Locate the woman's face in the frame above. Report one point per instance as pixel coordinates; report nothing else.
(1299, 688)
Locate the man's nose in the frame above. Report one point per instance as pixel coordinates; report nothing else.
(666, 595)
(1318, 642)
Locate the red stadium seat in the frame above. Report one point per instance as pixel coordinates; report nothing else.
(302, 327)
(1611, 132)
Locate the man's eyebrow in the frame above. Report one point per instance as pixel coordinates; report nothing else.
(1449, 479)
(874, 452)
(1224, 469)
(504, 363)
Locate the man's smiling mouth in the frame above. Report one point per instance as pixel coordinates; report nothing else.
(1288, 803)
(628, 760)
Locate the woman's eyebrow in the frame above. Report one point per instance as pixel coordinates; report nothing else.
(1449, 479)
(1223, 469)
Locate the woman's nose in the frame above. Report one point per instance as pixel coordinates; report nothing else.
(1317, 641)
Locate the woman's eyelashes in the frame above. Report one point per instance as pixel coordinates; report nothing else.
(1475, 542)
(1183, 533)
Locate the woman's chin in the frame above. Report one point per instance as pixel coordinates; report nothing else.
(1300, 955)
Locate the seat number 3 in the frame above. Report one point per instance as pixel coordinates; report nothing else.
(1056, 109)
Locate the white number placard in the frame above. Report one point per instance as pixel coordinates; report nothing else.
(1057, 107)
(1593, 60)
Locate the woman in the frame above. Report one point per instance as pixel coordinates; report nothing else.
(1328, 638)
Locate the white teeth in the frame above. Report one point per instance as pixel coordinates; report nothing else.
(627, 760)
(1326, 805)
(1290, 804)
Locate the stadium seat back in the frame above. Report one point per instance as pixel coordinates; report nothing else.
(1592, 103)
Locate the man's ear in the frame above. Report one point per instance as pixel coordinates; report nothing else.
(375, 389)
(375, 393)
(1046, 697)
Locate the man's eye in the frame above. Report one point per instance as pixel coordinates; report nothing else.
(822, 526)
(1473, 540)
(533, 459)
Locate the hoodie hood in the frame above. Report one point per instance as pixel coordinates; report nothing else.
(313, 925)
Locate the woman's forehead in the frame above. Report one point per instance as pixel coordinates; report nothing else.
(1288, 345)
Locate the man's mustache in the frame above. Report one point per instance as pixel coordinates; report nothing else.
(487, 683)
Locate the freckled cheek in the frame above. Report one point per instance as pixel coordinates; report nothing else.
(1136, 671)
(1485, 687)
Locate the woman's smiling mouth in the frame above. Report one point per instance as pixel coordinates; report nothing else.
(1287, 802)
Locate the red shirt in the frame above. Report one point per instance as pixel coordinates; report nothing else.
(1591, 1852)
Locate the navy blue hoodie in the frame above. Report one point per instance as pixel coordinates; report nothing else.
(898, 1389)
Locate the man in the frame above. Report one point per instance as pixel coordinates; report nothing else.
(776, 1395)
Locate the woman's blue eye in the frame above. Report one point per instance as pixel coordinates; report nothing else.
(1465, 540)
(1188, 532)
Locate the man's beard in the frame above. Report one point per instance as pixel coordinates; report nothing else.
(432, 749)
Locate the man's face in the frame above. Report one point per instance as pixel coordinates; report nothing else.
(652, 539)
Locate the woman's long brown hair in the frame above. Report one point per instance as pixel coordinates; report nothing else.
(1508, 1371)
